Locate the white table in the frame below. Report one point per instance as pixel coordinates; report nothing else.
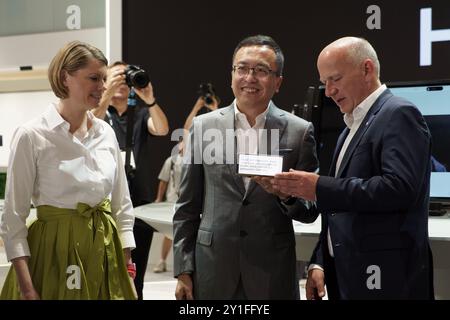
(159, 216)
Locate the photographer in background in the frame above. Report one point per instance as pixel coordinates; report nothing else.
(207, 99)
(148, 120)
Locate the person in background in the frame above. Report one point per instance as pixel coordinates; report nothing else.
(374, 240)
(68, 163)
(149, 121)
(169, 177)
(199, 105)
(169, 190)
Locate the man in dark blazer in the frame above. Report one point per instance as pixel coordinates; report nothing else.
(233, 236)
(374, 240)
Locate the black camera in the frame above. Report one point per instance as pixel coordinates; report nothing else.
(207, 92)
(136, 77)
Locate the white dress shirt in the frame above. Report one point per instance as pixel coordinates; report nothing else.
(51, 166)
(248, 137)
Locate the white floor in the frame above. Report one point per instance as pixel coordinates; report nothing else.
(161, 286)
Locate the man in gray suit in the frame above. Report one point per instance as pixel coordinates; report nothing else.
(233, 236)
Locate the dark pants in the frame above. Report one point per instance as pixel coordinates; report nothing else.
(143, 235)
(430, 274)
(240, 292)
(333, 285)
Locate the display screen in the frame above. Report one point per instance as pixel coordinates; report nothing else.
(433, 101)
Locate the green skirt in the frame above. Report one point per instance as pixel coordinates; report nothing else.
(75, 254)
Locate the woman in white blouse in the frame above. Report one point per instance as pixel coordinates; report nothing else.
(68, 163)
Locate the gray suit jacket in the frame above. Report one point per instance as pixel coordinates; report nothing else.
(224, 233)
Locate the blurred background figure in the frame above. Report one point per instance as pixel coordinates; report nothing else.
(207, 99)
(170, 175)
(168, 190)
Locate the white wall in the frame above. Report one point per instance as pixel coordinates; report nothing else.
(39, 48)
(16, 109)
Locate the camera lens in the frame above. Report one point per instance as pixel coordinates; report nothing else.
(136, 77)
(208, 99)
(206, 91)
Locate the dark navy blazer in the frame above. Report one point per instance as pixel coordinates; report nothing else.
(377, 206)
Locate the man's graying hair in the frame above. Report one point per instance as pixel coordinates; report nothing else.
(262, 40)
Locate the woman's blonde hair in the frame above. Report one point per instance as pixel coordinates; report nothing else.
(73, 56)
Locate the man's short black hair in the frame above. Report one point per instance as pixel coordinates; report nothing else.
(263, 40)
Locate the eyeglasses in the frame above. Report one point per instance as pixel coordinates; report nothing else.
(259, 72)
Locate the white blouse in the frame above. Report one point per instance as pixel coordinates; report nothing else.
(50, 166)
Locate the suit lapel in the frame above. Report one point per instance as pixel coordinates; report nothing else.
(365, 124)
(275, 120)
(224, 123)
